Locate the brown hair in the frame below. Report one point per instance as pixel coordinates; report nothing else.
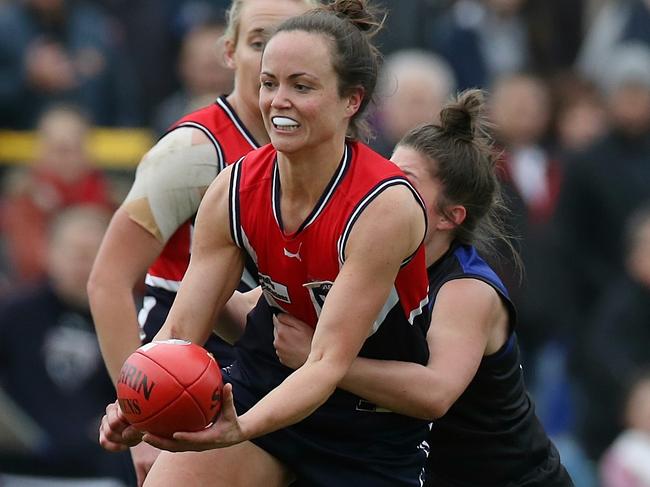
(463, 159)
(350, 24)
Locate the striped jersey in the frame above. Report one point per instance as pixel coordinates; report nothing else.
(297, 270)
(231, 140)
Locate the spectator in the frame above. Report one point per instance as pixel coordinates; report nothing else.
(50, 363)
(521, 112)
(616, 23)
(408, 24)
(604, 184)
(203, 76)
(60, 176)
(61, 51)
(483, 40)
(413, 86)
(581, 117)
(617, 340)
(520, 109)
(627, 461)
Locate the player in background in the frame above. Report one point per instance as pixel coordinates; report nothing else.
(322, 215)
(472, 386)
(152, 230)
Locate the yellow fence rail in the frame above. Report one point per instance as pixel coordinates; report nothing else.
(110, 148)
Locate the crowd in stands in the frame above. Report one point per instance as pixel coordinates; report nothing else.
(569, 95)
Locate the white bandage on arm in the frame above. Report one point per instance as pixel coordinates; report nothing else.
(170, 182)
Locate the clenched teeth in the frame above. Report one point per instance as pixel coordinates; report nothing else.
(285, 122)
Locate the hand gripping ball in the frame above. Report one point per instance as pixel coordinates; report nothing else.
(170, 386)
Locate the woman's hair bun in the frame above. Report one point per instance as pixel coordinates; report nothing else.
(365, 17)
(462, 119)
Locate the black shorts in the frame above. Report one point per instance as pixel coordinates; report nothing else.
(329, 449)
(155, 308)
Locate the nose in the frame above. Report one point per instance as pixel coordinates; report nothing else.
(280, 98)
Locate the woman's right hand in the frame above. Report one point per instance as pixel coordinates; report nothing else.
(115, 432)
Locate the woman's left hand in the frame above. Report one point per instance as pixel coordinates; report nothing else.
(225, 431)
(292, 340)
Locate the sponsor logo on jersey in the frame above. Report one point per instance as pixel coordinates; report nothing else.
(318, 292)
(294, 255)
(274, 289)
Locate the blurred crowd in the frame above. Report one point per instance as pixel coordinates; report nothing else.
(569, 94)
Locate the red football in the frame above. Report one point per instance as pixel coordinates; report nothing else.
(170, 386)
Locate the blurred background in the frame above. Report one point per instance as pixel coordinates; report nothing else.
(86, 87)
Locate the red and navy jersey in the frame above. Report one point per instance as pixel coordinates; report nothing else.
(231, 141)
(297, 270)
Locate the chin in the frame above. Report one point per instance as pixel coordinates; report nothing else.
(285, 146)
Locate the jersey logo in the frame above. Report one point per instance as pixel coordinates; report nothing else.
(318, 292)
(295, 255)
(274, 289)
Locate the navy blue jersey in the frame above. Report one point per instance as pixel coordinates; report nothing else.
(490, 437)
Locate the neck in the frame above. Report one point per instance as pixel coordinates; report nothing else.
(304, 175)
(436, 247)
(250, 116)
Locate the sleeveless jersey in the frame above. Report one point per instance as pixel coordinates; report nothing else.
(231, 140)
(296, 271)
(493, 422)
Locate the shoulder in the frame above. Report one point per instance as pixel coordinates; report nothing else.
(391, 221)
(373, 160)
(182, 148)
(468, 290)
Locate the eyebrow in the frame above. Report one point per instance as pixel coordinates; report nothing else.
(292, 76)
(259, 30)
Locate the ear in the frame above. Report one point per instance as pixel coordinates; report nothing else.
(354, 101)
(229, 53)
(455, 215)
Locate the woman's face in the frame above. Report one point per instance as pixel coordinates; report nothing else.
(416, 168)
(257, 20)
(299, 98)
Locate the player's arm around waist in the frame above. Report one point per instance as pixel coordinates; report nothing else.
(388, 231)
(467, 315)
(214, 271)
(231, 321)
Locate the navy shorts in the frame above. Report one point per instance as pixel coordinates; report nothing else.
(155, 308)
(330, 449)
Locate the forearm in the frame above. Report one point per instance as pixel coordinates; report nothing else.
(402, 387)
(115, 317)
(231, 321)
(296, 398)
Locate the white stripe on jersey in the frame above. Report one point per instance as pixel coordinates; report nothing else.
(235, 223)
(248, 279)
(235, 121)
(147, 305)
(418, 311)
(390, 303)
(162, 283)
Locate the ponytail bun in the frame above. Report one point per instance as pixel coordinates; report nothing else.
(463, 119)
(359, 13)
